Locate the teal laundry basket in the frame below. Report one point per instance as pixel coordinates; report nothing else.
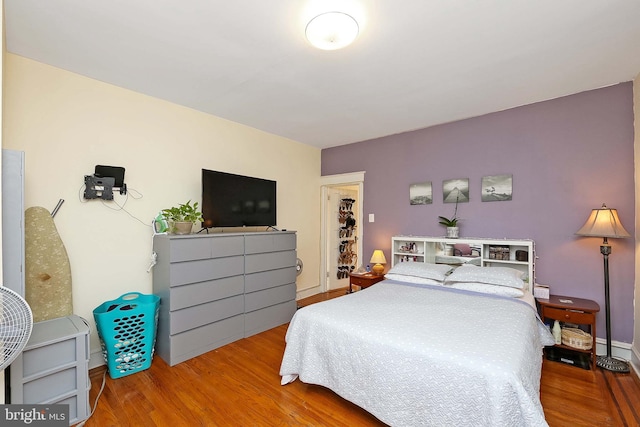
(127, 331)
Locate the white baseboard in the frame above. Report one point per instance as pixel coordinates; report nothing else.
(621, 350)
(307, 292)
(96, 359)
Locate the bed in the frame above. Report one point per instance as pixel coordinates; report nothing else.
(416, 351)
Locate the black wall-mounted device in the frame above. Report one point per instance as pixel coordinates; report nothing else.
(100, 185)
(98, 188)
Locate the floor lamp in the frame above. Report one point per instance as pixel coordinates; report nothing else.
(604, 222)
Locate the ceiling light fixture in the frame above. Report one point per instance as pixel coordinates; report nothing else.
(332, 30)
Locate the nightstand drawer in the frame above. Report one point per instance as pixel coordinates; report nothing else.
(569, 316)
(360, 281)
(364, 280)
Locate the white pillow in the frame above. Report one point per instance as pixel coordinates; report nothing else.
(484, 288)
(412, 279)
(421, 269)
(502, 276)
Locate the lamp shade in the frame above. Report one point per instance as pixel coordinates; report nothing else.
(603, 222)
(332, 30)
(378, 257)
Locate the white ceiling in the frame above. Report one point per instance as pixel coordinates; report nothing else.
(416, 63)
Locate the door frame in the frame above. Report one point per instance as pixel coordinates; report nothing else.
(326, 182)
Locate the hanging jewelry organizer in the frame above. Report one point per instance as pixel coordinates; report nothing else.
(347, 258)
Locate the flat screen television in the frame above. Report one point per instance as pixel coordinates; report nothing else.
(230, 200)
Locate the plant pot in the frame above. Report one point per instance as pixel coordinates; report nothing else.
(181, 227)
(452, 232)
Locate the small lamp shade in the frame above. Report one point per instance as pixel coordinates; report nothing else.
(378, 259)
(603, 222)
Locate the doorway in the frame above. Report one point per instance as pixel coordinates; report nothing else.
(341, 237)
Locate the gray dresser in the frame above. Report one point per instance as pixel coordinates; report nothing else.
(218, 288)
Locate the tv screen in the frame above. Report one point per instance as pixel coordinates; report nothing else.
(230, 200)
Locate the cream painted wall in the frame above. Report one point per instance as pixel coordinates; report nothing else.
(66, 124)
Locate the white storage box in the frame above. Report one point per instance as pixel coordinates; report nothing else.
(541, 291)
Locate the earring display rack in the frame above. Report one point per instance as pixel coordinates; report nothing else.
(347, 256)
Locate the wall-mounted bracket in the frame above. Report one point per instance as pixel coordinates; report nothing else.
(98, 188)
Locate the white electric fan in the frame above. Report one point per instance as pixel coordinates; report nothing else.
(16, 322)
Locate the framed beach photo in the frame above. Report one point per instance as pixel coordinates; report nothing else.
(497, 188)
(421, 193)
(455, 190)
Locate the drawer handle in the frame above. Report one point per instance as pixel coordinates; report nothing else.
(566, 316)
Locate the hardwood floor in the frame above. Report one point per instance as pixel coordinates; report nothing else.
(239, 385)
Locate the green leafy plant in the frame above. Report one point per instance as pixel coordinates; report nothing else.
(448, 222)
(453, 221)
(184, 212)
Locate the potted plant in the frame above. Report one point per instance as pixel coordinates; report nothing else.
(451, 223)
(182, 217)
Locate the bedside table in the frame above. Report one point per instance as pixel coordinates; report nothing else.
(363, 280)
(572, 310)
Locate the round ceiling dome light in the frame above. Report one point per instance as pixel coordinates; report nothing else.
(332, 30)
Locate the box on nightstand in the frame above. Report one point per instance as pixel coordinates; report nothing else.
(541, 291)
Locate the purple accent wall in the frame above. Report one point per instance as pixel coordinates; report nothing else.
(567, 156)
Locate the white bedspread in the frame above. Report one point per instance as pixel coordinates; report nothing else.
(416, 356)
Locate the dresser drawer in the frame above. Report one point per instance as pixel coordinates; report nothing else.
(269, 317)
(202, 292)
(261, 243)
(272, 296)
(193, 317)
(50, 387)
(209, 269)
(189, 248)
(41, 360)
(569, 316)
(269, 261)
(269, 279)
(197, 341)
(78, 406)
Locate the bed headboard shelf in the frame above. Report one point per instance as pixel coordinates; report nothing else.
(484, 252)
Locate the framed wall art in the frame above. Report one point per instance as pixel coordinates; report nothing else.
(497, 188)
(421, 193)
(455, 190)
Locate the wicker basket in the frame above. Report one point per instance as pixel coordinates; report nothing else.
(576, 338)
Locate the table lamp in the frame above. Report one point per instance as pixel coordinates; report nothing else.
(378, 259)
(604, 222)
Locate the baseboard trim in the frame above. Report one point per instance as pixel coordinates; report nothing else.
(96, 359)
(307, 292)
(621, 350)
